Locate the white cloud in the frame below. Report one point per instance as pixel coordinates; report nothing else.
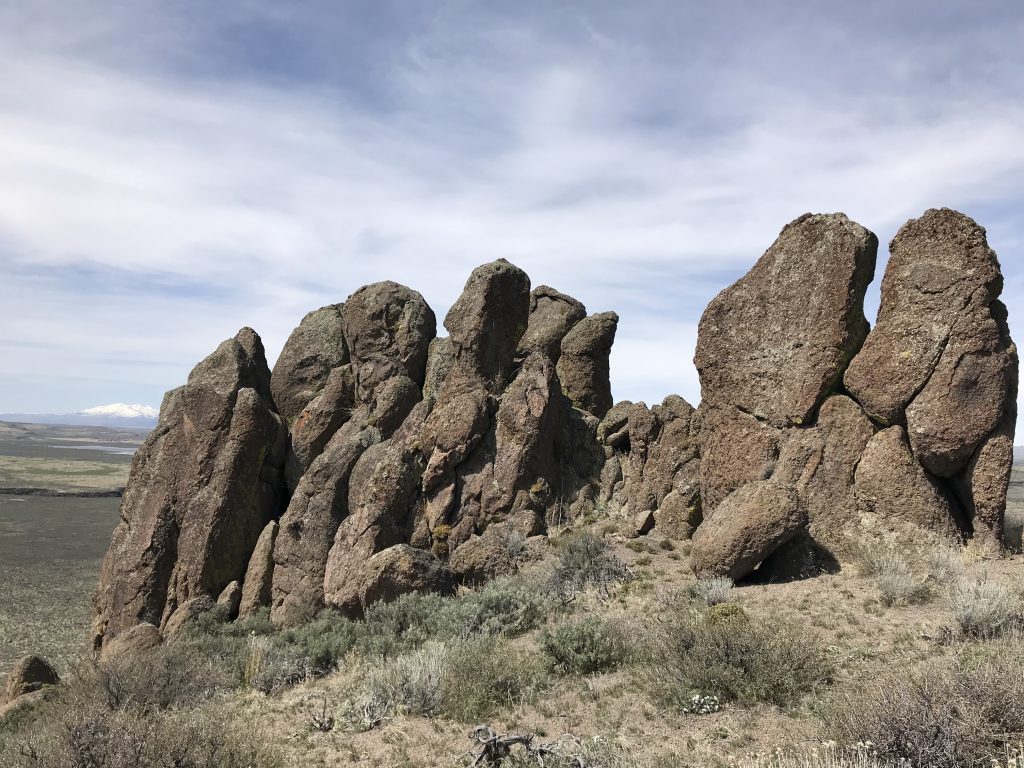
(639, 168)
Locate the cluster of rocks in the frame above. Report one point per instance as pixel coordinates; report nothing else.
(27, 681)
(378, 459)
(816, 431)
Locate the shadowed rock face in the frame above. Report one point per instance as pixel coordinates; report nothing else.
(312, 351)
(201, 489)
(583, 366)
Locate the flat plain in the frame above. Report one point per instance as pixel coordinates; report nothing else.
(58, 507)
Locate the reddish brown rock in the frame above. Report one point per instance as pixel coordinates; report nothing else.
(388, 329)
(230, 598)
(487, 322)
(308, 527)
(939, 266)
(397, 571)
(746, 528)
(552, 316)
(776, 342)
(257, 585)
(735, 449)
(498, 551)
(894, 493)
(29, 675)
(820, 463)
(319, 420)
(967, 394)
(312, 351)
(584, 368)
(135, 641)
(984, 485)
(201, 489)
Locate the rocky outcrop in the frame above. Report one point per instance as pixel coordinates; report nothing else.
(923, 444)
(201, 489)
(29, 675)
(379, 460)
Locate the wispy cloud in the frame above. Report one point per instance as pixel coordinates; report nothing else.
(163, 182)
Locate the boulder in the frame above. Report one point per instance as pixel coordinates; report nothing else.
(773, 346)
(186, 613)
(745, 529)
(201, 489)
(257, 585)
(584, 368)
(382, 489)
(820, 463)
(399, 570)
(312, 351)
(498, 551)
(387, 323)
(967, 394)
(895, 494)
(230, 599)
(552, 316)
(487, 321)
(777, 341)
(29, 675)
(940, 266)
(137, 640)
(985, 483)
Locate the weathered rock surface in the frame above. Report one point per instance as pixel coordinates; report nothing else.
(746, 528)
(388, 329)
(773, 345)
(259, 573)
(201, 489)
(552, 316)
(939, 266)
(403, 462)
(312, 351)
(308, 526)
(488, 320)
(896, 494)
(137, 640)
(29, 675)
(319, 420)
(777, 341)
(584, 368)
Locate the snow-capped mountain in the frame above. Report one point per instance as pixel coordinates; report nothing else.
(123, 411)
(113, 415)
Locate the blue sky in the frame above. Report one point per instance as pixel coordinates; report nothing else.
(170, 172)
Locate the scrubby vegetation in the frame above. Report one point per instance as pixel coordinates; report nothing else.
(599, 656)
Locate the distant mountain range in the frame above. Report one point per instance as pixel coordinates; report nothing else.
(113, 415)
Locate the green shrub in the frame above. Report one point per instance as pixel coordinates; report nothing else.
(584, 647)
(726, 653)
(584, 560)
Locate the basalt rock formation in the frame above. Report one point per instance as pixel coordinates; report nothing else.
(904, 431)
(379, 459)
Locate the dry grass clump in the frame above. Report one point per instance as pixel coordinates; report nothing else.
(965, 713)
(827, 756)
(725, 653)
(713, 590)
(466, 680)
(983, 609)
(153, 711)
